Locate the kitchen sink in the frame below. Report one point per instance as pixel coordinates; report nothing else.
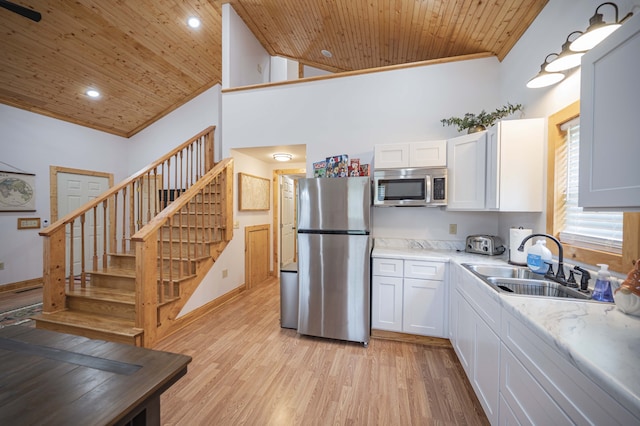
(536, 288)
(502, 271)
(513, 279)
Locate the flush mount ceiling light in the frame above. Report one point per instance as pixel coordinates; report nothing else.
(598, 30)
(567, 58)
(92, 93)
(282, 156)
(326, 53)
(545, 78)
(193, 22)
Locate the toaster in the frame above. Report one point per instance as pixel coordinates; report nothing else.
(484, 244)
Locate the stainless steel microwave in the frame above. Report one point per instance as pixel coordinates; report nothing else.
(410, 187)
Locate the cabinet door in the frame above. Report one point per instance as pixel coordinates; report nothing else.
(466, 161)
(515, 164)
(386, 303)
(428, 154)
(424, 307)
(528, 401)
(464, 333)
(389, 156)
(609, 105)
(486, 368)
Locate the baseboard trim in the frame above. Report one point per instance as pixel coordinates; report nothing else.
(21, 285)
(411, 338)
(205, 309)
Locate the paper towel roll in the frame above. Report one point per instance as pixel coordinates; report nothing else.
(516, 235)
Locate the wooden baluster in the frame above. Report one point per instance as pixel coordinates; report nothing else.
(161, 266)
(124, 218)
(148, 196)
(104, 234)
(180, 237)
(171, 247)
(155, 192)
(71, 279)
(95, 238)
(131, 206)
(83, 252)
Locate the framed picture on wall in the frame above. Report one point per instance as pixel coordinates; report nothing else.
(17, 192)
(253, 193)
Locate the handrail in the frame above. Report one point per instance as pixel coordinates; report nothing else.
(128, 181)
(160, 219)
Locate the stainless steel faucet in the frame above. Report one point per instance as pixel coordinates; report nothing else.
(559, 277)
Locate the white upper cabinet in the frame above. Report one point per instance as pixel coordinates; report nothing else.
(609, 106)
(500, 169)
(411, 154)
(515, 166)
(467, 164)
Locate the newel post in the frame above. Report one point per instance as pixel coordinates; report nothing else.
(53, 274)
(209, 150)
(147, 288)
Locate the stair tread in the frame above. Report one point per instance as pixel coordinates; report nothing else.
(90, 321)
(104, 294)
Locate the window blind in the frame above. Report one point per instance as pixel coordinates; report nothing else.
(594, 230)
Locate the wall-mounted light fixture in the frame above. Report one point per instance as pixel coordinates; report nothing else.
(552, 72)
(567, 58)
(545, 78)
(597, 31)
(282, 156)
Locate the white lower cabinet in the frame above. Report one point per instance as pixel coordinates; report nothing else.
(519, 378)
(476, 343)
(409, 296)
(527, 402)
(542, 387)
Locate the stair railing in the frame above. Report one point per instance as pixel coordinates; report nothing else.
(81, 241)
(167, 247)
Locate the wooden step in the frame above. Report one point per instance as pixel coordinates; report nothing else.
(103, 300)
(90, 325)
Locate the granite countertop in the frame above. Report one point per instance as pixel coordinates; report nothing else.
(597, 338)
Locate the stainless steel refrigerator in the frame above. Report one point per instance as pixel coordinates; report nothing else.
(334, 266)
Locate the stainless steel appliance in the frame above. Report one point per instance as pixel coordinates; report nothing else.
(484, 244)
(410, 187)
(289, 295)
(334, 248)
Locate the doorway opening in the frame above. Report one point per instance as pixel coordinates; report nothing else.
(285, 217)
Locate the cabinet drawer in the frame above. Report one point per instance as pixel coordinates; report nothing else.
(424, 270)
(387, 267)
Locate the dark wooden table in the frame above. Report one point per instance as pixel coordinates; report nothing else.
(60, 379)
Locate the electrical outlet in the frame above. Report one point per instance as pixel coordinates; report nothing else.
(236, 225)
(1, 266)
(225, 273)
(453, 228)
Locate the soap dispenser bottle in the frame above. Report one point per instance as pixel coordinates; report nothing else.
(602, 289)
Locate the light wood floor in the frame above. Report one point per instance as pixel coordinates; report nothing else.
(246, 369)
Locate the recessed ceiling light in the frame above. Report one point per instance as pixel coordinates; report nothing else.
(93, 93)
(326, 53)
(193, 22)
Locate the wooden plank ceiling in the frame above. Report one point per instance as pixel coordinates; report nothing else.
(146, 61)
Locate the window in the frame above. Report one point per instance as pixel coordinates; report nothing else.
(587, 237)
(594, 230)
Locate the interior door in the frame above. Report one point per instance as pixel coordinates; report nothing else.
(256, 246)
(287, 221)
(74, 190)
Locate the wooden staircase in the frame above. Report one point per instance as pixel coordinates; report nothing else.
(148, 261)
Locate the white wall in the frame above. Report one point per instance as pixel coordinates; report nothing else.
(244, 60)
(349, 115)
(175, 128)
(31, 143)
